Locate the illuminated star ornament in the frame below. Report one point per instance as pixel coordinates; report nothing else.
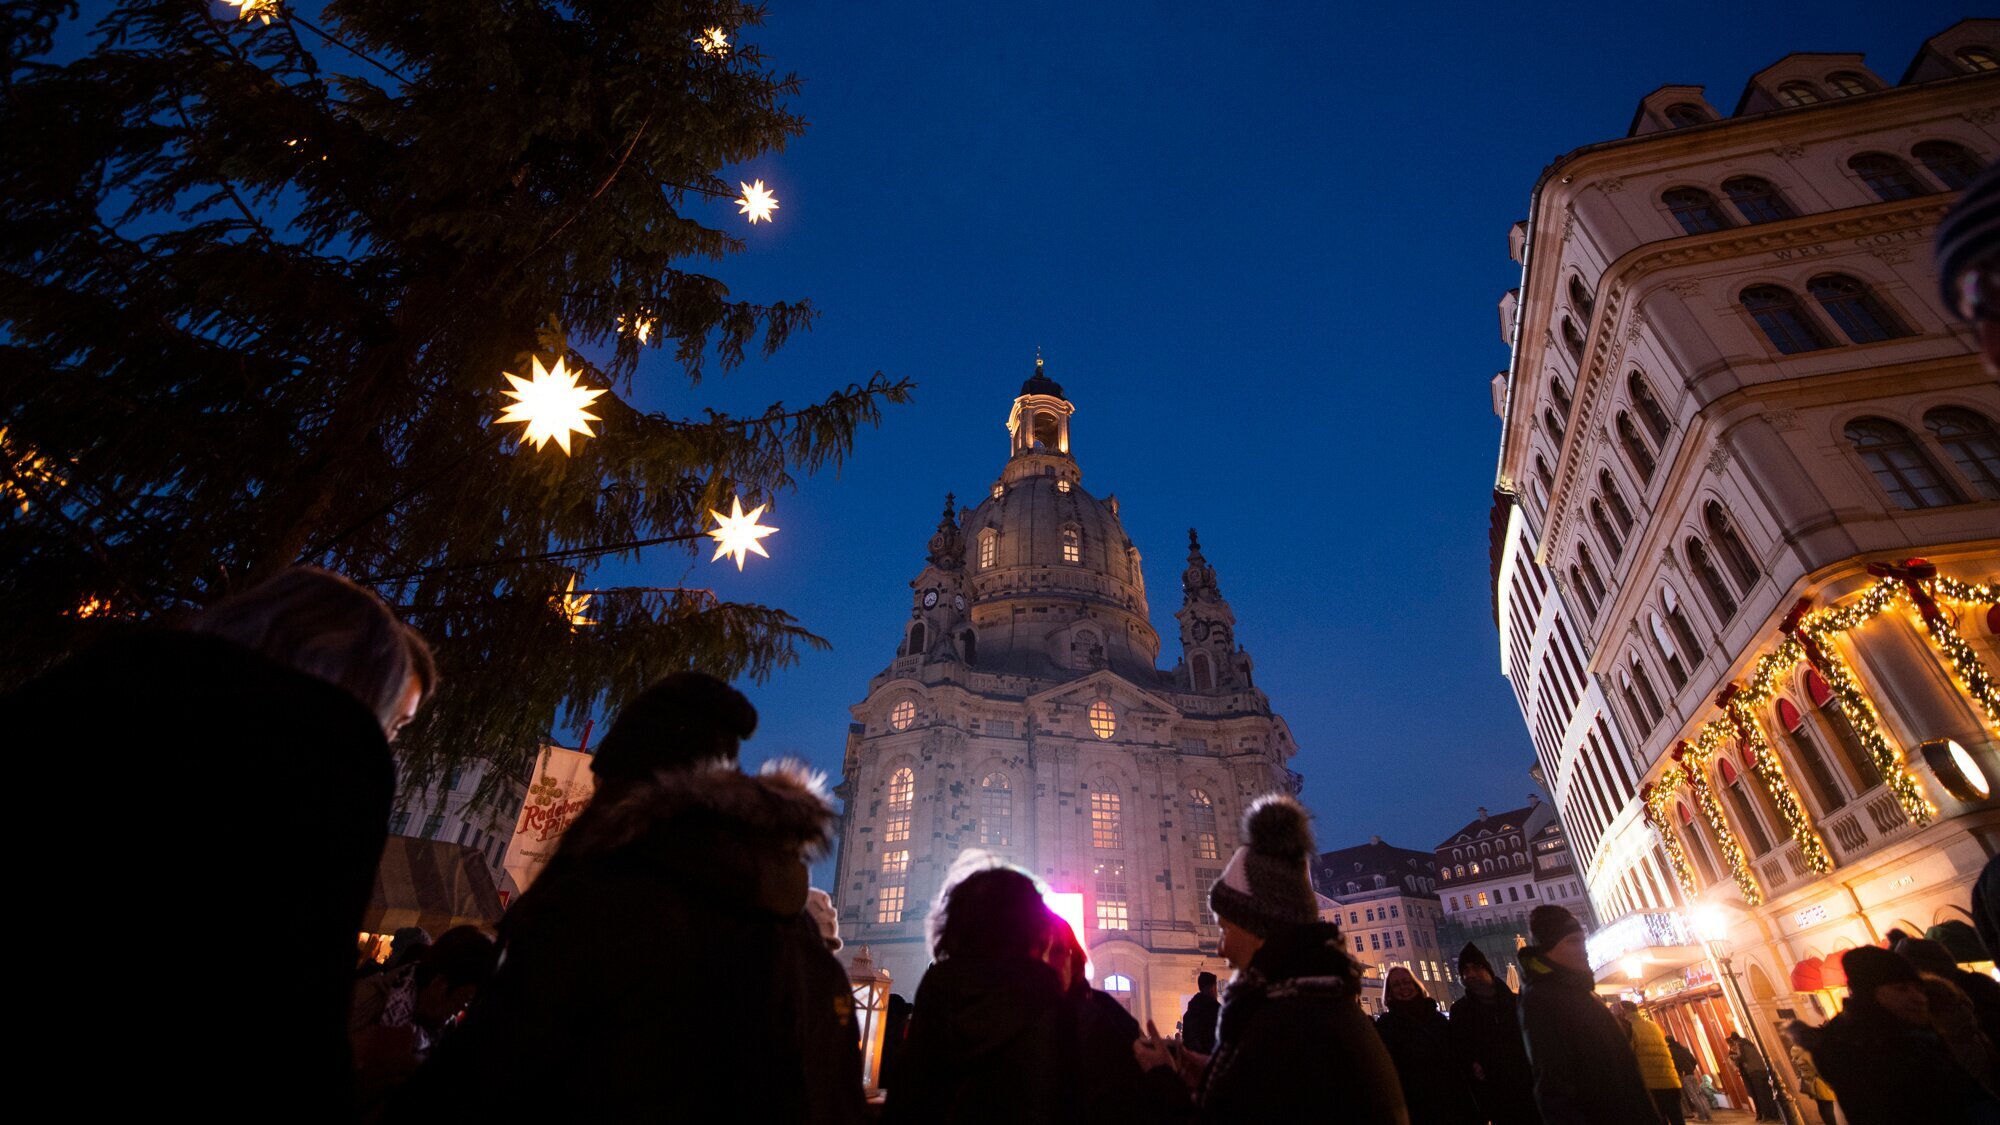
(738, 532)
(713, 40)
(254, 9)
(638, 325)
(552, 406)
(756, 202)
(575, 605)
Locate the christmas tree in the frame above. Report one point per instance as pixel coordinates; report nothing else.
(263, 266)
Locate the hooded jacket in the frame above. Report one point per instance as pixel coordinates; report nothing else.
(1585, 1072)
(1887, 1072)
(989, 1041)
(1435, 1073)
(1488, 1032)
(665, 947)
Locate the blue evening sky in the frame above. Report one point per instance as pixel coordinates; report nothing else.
(1261, 247)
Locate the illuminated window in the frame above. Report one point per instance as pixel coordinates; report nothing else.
(1103, 720)
(1798, 93)
(1482, 899)
(987, 549)
(1120, 987)
(896, 862)
(902, 791)
(903, 715)
(889, 904)
(1201, 821)
(1978, 58)
(1112, 913)
(1072, 545)
(999, 491)
(1062, 486)
(996, 811)
(1846, 84)
(1105, 831)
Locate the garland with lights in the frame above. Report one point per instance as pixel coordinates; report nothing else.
(1807, 635)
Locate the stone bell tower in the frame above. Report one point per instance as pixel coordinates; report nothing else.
(1208, 629)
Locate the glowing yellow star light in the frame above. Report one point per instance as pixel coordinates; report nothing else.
(756, 201)
(738, 532)
(254, 9)
(714, 40)
(552, 405)
(638, 324)
(575, 605)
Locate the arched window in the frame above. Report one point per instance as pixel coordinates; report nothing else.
(1200, 672)
(1952, 164)
(1813, 766)
(996, 811)
(1553, 425)
(1590, 570)
(1599, 520)
(1541, 496)
(1542, 472)
(1847, 83)
(1113, 909)
(902, 793)
(988, 541)
(1695, 209)
(1580, 298)
(1103, 720)
(1696, 847)
(1748, 824)
(1649, 407)
(1900, 465)
(1120, 987)
(1582, 593)
(1756, 200)
(917, 638)
(1499, 863)
(1670, 654)
(1572, 339)
(1677, 620)
(1776, 310)
(1560, 394)
(1681, 115)
(1889, 178)
(1722, 532)
(1978, 58)
(1615, 500)
(1855, 309)
(1106, 816)
(1635, 448)
(902, 715)
(1201, 824)
(1072, 545)
(1799, 93)
(1719, 598)
(1644, 685)
(1834, 721)
(1970, 439)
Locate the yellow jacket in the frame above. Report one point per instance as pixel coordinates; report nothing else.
(1656, 1062)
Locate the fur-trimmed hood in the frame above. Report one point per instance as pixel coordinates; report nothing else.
(721, 832)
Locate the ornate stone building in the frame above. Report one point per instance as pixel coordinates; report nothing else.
(1385, 901)
(1024, 714)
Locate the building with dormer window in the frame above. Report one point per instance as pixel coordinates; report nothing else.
(1025, 715)
(1385, 901)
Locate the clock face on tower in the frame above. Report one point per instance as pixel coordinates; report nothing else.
(958, 602)
(1201, 630)
(930, 598)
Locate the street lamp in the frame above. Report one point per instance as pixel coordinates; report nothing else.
(871, 1013)
(1711, 925)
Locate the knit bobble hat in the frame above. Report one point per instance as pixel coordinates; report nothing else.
(1471, 955)
(686, 720)
(1549, 924)
(1870, 966)
(1266, 887)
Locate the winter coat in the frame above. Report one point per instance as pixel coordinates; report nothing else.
(1684, 1060)
(1435, 1073)
(1198, 1023)
(1292, 1040)
(664, 951)
(1887, 1072)
(1488, 1031)
(274, 788)
(1656, 1062)
(1585, 1072)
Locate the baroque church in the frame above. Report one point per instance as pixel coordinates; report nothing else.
(1025, 715)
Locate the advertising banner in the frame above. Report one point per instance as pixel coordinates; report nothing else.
(562, 786)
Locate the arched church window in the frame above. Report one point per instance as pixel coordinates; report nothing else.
(1201, 823)
(1072, 545)
(902, 715)
(1106, 816)
(1047, 430)
(1113, 910)
(987, 547)
(1103, 720)
(1202, 673)
(902, 793)
(1120, 987)
(917, 638)
(996, 811)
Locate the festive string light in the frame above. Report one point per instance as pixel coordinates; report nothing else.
(1965, 663)
(254, 9)
(713, 40)
(738, 532)
(23, 468)
(552, 405)
(1764, 765)
(756, 202)
(637, 325)
(575, 606)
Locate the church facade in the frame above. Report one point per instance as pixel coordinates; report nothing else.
(1025, 715)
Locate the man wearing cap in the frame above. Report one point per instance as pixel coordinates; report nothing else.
(1486, 1023)
(1884, 1062)
(1585, 1072)
(1291, 1039)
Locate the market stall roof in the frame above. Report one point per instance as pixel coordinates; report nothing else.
(433, 884)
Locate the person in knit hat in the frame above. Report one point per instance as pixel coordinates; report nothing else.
(1585, 1072)
(1980, 992)
(1291, 1038)
(1967, 246)
(1884, 1061)
(1436, 1074)
(1486, 1025)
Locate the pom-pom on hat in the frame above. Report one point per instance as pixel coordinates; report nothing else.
(1266, 887)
